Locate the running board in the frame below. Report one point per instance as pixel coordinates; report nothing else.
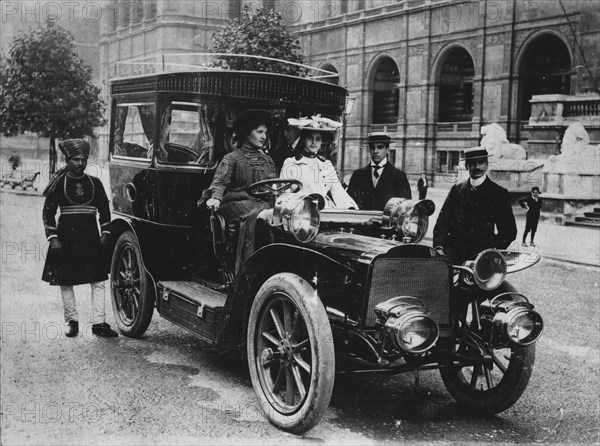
(193, 306)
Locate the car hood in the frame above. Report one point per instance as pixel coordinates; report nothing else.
(345, 246)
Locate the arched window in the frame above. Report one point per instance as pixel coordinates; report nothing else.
(331, 79)
(456, 87)
(545, 69)
(385, 92)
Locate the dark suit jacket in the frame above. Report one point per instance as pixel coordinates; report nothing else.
(533, 213)
(467, 219)
(392, 183)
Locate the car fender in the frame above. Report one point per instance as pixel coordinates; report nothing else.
(276, 258)
(121, 224)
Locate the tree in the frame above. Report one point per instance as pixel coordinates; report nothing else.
(45, 88)
(257, 32)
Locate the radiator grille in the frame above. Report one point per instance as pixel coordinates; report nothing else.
(425, 278)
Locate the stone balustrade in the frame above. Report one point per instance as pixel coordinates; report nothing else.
(563, 110)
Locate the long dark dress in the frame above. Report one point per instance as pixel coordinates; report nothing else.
(81, 258)
(237, 171)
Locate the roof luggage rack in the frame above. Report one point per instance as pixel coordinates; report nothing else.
(200, 62)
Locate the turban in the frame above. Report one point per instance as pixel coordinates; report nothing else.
(70, 149)
(74, 147)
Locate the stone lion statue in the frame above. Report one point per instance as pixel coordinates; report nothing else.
(576, 143)
(495, 142)
(576, 153)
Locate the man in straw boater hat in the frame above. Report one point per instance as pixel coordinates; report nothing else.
(76, 255)
(373, 185)
(476, 215)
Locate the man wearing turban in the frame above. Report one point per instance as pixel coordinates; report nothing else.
(76, 254)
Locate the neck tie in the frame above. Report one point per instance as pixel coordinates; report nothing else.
(376, 171)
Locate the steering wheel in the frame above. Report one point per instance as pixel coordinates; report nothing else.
(272, 188)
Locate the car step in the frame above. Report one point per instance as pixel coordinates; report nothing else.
(194, 306)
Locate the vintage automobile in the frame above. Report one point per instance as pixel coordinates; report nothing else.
(325, 291)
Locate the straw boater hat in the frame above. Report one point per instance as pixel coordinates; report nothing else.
(475, 153)
(378, 137)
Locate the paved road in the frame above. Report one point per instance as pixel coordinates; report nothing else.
(166, 388)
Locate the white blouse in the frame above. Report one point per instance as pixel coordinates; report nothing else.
(318, 176)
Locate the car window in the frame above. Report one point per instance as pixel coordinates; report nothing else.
(134, 130)
(187, 134)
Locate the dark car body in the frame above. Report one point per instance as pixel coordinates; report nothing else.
(362, 295)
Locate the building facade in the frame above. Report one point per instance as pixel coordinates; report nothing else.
(430, 72)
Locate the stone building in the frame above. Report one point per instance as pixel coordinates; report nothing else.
(431, 72)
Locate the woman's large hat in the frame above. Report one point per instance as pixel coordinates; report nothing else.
(475, 153)
(251, 119)
(315, 123)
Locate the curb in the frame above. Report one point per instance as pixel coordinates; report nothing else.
(29, 193)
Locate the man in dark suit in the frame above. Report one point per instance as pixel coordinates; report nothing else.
(287, 147)
(472, 210)
(533, 204)
(373, 185)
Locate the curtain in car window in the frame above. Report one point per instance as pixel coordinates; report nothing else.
(164, 131)
(120, 130)
(147, 114)
(204, 141)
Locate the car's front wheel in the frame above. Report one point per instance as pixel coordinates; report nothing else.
(490, 387)
(290, 353)
(131, 288)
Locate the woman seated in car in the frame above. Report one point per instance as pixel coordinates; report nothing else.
(239, 169)
(242, 167)
(317, 174)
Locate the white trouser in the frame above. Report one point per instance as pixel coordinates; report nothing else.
(68, 298)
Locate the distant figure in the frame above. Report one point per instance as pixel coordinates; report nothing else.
(422, 186)
(15, 161)
(373, 185)
(533, 204)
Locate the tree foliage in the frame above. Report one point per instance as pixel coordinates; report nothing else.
(257, 32)
(47, 89)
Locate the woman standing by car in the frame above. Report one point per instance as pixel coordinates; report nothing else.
(317, 174)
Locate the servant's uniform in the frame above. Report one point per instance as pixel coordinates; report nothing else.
(81, 258)
(468, 219)
(372, 186)
(533, 215)
(318, 176)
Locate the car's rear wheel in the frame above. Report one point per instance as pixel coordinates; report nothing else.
(131, 288)
(490, 388)
(290, 353)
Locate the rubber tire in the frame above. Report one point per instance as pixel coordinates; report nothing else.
(310, 307)
(504, 394)
(147, 293)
